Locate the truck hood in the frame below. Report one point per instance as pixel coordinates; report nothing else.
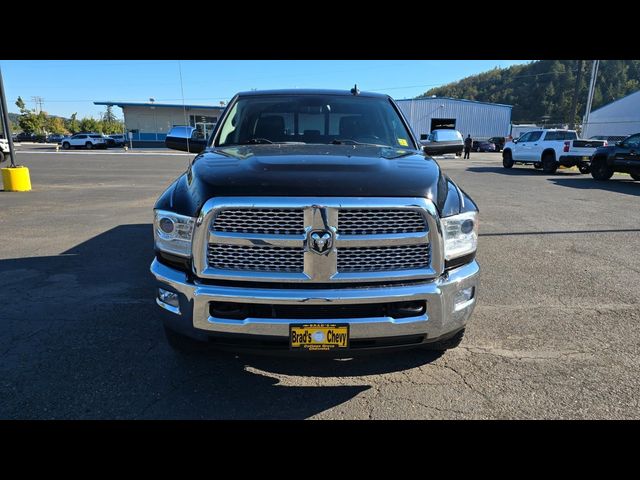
(309, 170)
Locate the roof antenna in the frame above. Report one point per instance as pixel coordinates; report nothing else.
(355, 90)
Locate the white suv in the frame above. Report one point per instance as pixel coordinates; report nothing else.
(86, 140)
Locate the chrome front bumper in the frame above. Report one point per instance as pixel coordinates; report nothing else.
(192, 317)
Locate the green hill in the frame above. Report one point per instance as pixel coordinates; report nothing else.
(543, 90)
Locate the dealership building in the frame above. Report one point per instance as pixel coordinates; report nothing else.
(150, 122)
(617, 119)
(479, 119)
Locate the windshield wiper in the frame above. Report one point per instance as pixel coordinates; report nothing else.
(348, 141)
(256, 140)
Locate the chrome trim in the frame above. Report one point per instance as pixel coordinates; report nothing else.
(320, 213)
(166, 306)
(441, 316)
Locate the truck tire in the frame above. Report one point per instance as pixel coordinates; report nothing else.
(635, 176)
(66, 146)
(537, 166)
(181, 343)
(88, 145)
(584, 168)
(507, 160)
(447, 344)
(549, 164)
(600, 170)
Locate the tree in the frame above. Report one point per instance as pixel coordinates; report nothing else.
(56, 125)
(28, 120)
(89, 124)
(72, 124)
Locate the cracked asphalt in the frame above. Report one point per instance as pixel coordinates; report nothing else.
(556, 333)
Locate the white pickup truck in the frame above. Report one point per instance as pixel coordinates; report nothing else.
(547, 149)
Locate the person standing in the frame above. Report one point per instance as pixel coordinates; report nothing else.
(468, 142)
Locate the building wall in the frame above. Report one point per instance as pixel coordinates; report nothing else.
(481, 120)
(619, 118)
(153, 124)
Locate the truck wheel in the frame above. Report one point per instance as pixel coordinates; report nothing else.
(583, 168)
(600, 170)
(88, 145)
(537, 166)
(447, 344)
(549, 164)
(507, 160)
(635, 176)
(181, 343)
(66, 146)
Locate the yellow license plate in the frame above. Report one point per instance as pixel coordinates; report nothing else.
(319, 337)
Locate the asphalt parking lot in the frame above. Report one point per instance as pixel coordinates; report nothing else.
(556, 333)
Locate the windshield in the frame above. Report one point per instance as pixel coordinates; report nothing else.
(314, 119)
(448, 135)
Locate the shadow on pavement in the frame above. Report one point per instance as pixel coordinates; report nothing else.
(626, 186)
(522, 170)
(81, 338)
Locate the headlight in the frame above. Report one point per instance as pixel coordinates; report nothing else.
(460, 234)
(173, 233)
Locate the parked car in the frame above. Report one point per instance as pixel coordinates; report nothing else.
(442, 141)
(313, 223)
(498, 142)
(547, 149)
(119, 139)
(623, 157)
(55, 138)
(24, 137)
(4, 149)
(483, 146)
(86, 140)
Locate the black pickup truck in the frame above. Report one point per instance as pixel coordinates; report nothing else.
(311, 222)
(623, 157)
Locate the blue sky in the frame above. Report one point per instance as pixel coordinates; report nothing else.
(69, 86)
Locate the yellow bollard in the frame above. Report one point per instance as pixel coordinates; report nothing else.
(16, 179)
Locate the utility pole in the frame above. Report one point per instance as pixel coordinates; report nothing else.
(592, 88)
(38, 101)
(5, 121)
(574, 103)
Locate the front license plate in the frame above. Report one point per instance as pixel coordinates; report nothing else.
(318, 337)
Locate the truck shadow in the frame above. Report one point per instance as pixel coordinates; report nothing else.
(520, 170)
(81, 339)
(626, 186)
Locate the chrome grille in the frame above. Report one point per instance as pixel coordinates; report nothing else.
(273, 221)
(260, 259)
(380, 221)
(376, 259)
(271, 239)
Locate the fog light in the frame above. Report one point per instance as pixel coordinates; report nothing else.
(170, 298)
(463, 297)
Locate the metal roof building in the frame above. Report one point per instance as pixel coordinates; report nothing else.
(150, 122)
(480, 119)
(618, 118)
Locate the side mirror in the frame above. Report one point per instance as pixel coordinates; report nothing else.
(185, 139)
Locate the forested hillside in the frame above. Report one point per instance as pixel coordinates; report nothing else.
(543, 91)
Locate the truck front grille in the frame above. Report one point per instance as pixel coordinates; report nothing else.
(259, 259)
(379, 221)
(285, 239)
(273, 221)
(377, 259)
